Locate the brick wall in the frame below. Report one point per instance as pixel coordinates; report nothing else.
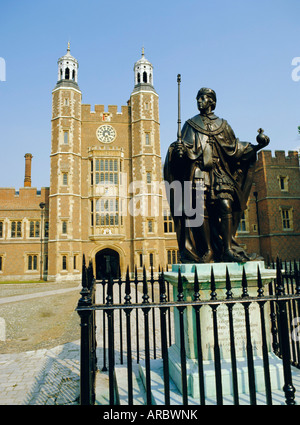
(273, 196)
(21, 206)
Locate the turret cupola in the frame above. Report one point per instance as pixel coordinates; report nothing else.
(143, 74)
(67, 69)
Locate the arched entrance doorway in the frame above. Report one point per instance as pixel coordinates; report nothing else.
(107, 261)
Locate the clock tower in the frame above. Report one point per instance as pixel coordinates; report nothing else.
(106, 180)
(65, 171)
(146, 162)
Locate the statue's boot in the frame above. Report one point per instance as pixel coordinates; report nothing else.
(226, 229)
(208, 257)
(187, 256)
(232, 257)
(185, 242)
(255, 257)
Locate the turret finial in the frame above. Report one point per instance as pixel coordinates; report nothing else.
(143, 51)
(68, 46)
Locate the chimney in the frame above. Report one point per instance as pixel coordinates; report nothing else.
(27, 180)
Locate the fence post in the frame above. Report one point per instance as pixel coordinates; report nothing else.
(120, 318)
(146, 337)
(136, 281)
(261, 303)
(284, 336)
(111, 344)
(249, 349)
(181, 309)
(85, 324)
(153, 315)
(104, 368)
(128, 334)
(297, 306)
(92, 331)
(164, 341)
(217, 356)
(199, 341)
(231, 334)
(273, 317)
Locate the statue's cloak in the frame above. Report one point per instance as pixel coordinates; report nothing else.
(236, 160)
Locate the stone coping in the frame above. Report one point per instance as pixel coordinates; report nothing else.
(235, 272)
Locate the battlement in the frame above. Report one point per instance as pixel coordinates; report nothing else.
(280, 158)
(110, 115)
(24, 198)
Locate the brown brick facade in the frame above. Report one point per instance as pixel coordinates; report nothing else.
(20, 232)
(91, 206)
(273, 225)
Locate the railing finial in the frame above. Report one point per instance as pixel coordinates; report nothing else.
(228, 285)
(213, 293)
(180, 286)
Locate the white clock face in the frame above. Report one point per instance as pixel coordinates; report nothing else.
(106, 133)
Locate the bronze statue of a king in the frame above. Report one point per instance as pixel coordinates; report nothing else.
(208, 155)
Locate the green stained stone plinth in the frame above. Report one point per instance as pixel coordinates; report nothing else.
(206, 324)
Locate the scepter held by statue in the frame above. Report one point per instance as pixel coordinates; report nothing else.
(180, 146)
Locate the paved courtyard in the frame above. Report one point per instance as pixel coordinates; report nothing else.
(33, 316)
(41, 377)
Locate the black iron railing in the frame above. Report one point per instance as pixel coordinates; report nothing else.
(144, 307)
(131, 290)
(88, 359)
(287, 284)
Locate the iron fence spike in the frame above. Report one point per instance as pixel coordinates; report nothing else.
(228, 285)
(180, 286)
(279, 287)
(196, 286)
(260, 290)
(244, 284)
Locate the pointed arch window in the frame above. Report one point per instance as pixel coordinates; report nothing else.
(138, 77)
(67, 74)
(73, 75)
(144, 77)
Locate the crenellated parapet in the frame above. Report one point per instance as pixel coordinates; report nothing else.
(278, 159)
(102, 114)
(27, 198)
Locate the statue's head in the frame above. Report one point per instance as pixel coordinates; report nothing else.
(210, 94)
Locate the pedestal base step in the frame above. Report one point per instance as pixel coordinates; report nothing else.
(275, 367)
(158, 398)
(158, 394)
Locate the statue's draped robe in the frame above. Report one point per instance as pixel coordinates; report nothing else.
(226, 166)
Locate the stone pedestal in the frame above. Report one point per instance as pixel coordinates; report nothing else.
(206, 323)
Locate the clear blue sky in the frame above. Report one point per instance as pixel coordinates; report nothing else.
(243, 49)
